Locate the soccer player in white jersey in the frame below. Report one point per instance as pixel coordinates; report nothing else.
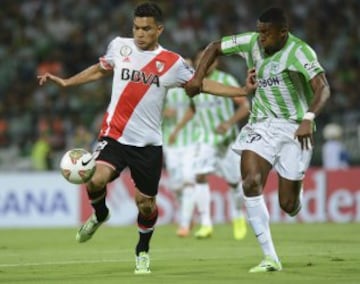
(217, 120)
(178, 154)
(130, 134)
(292, 90)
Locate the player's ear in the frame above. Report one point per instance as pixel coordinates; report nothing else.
(284, 30)
(160, 29)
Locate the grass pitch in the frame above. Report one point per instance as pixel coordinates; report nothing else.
(310, 253)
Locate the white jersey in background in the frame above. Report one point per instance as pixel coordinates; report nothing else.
(213, 153)
(140, 82)
(213, 110)
(179, 156)
(178, 100)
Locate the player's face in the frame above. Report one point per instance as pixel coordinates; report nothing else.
(271, 37)
(146, 32)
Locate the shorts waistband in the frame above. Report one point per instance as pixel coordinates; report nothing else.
(273, 120)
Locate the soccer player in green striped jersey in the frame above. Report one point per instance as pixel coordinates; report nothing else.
(178, 154)
(292, 89)
(217, 118)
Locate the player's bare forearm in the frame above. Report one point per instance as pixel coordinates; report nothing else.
(218, 89)
(189, 114)
(212, 51)
(241, 112)
(169, 112)
(90, 74)
(321, 91)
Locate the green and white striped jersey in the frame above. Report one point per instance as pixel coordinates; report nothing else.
(177, 99)
(284, 90)
(212, 110)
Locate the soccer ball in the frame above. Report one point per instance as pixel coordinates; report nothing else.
(77, 166)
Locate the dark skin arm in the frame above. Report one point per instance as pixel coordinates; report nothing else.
(321, 90)
(200, 84)
(212, 51)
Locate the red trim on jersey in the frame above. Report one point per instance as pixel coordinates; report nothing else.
(134, 92)
(103, 125)
(104, 64)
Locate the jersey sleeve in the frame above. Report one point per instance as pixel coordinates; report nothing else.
(307, 62)
(238, 44)
(184, 72)
(107, 61)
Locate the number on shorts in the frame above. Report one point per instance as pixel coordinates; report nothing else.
(99, 147)
(253, 137)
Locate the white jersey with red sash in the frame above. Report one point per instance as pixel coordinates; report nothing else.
(140, 82)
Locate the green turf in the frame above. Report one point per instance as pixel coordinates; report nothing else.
(310, 253)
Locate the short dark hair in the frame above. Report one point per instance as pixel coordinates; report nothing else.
(149, 9)
(275, 16)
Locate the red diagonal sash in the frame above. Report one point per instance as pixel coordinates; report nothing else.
(135, 91)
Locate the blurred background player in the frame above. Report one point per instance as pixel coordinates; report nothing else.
(334, 153)
(178, 154)
(217, 120)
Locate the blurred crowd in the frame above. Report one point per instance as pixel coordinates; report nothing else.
(37, 124)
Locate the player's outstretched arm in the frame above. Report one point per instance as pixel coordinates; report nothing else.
(92, 73)
(218, 89)
(212, 51)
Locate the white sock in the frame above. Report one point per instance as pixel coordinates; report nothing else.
(259, 219)
(236, 202)
(187, 206)
(203, 203)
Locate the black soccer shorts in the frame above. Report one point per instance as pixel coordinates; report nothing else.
(145, 163)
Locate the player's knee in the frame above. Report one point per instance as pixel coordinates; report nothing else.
(96, 183)
(146, 206)
(101, 177)
(252, 185)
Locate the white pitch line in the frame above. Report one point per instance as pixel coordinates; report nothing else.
(110, 260)
(62, 262)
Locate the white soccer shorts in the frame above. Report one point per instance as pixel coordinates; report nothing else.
(220, 161)
(273, 139)
(179, 161)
